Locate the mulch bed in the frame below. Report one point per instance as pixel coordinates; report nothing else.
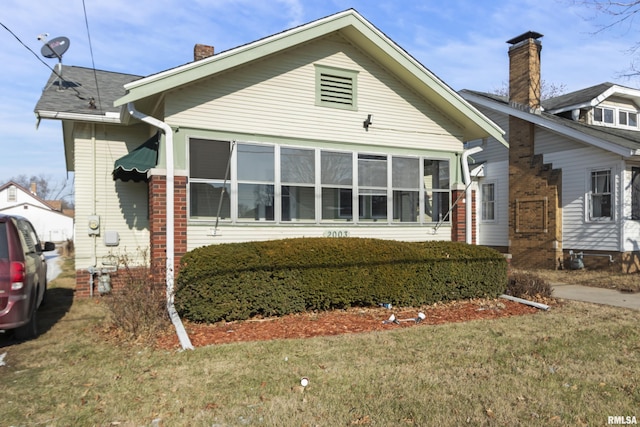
(336, 322)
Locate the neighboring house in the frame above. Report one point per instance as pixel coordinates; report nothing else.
(569, 185)
(327, 129)
(50, 222)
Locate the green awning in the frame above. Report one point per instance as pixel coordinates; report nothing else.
(135, 165)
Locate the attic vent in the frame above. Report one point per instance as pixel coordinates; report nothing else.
(336, 88)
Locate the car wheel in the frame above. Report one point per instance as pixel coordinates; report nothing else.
(28, 330)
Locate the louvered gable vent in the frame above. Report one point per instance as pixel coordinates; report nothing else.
(336, 89)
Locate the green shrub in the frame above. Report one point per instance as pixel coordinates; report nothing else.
(527, 285)
(241, 280)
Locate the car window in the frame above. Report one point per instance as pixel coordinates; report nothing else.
(29, 235)
(4, 245)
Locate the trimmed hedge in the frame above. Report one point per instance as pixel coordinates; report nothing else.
(239, 280)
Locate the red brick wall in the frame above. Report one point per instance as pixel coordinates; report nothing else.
(458, 215)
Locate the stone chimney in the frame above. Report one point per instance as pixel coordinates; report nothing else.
(535, 205)
(524, 71)
(202, 51)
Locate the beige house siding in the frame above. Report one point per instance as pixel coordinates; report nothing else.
(276, 97)
(122, 206)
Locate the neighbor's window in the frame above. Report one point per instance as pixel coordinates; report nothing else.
(336, 88)
(600, 196)
(12, 194)
(437, 194)
(603, 115)
(628, 119)
(635, 193)
(488, 194)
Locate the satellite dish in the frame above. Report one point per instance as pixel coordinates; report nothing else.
(55, 48)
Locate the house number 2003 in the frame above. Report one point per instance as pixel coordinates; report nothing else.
(335, 233)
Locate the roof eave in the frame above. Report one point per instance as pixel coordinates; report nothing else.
(542, 122)
(112, 118)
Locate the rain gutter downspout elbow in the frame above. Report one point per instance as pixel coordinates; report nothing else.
(467, 189)
(185, 342)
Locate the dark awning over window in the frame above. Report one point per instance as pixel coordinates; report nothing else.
(135, 165)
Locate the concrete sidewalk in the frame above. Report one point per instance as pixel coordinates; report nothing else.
(596, 295)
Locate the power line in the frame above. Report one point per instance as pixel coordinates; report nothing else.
(93, 64)
(30, 50)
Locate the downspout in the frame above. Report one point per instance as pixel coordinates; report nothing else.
(185, 342)
(468, 195)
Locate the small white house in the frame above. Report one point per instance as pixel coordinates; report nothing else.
(51, 225)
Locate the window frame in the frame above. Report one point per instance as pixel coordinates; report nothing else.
(485, 202)
(591, 195)
(339, 188)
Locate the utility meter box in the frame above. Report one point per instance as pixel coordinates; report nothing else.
(111, 238)
(93, 223)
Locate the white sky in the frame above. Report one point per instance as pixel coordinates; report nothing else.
(461, 41)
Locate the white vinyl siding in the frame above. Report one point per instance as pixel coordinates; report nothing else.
(496, 232)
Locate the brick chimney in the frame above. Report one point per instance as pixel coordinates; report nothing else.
(524, 71)
(535, 206)
(33, 188)
(202, 51)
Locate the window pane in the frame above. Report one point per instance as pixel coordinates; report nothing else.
(436, 206)
(600, 182)
(208, 159)
(298, 203)
(488, 202)
(297, 166)
(337, 204)
(255, 201)
(255, 163)
(372, 170)
(436, 174)
(336, 168)
(597, 114)
(373, 205)
(405, 172)
(608, 115)
(622, 118)
(633, 120)
(406, 205)
(205, 200)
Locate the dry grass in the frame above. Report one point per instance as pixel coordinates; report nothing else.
(573, 365)
(597, 278)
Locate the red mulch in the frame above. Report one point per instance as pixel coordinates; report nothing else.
(353, 320)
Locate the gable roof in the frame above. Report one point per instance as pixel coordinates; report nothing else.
(588, 97)
(622, 142)
(28, 193)
(354, 28)
(70, 98)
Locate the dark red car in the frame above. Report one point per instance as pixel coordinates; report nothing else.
(23, 275)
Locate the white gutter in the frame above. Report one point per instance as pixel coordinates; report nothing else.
(468, 196)
(185, 342)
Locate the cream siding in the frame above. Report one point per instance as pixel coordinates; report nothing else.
(204, 235)
(122, 206)
(276, 97)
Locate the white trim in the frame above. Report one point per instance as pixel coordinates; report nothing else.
(554, 127)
